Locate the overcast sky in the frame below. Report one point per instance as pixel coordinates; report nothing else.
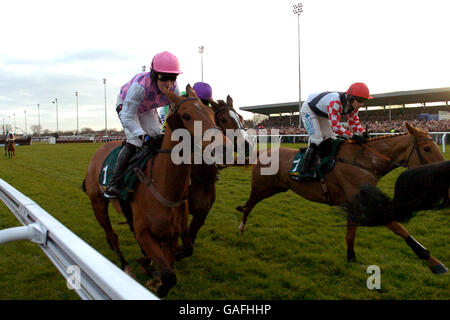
(50, 49)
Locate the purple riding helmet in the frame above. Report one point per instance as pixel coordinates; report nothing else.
(203, 90)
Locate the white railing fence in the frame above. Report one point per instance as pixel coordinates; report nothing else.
(86, 271)
(439, 138)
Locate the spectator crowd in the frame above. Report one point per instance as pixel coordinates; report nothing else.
(373, 126)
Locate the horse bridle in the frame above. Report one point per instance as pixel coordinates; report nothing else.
(226, 108)
(405, 163)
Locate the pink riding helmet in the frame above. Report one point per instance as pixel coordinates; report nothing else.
(165, 62)
(203, 90)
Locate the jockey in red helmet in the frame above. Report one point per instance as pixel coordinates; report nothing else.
(321, 114)
(136, 106)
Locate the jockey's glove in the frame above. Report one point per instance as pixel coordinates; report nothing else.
(145, 139)
(358, 138)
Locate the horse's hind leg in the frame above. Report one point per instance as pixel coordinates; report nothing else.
(256, 195)
(100, 207)
(435, 265)
(350, 240)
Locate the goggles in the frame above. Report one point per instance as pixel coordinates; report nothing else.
(172, 77)
(360, 99)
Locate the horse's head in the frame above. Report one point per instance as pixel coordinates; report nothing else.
(226, 117)
(423, 149)
(186, 110)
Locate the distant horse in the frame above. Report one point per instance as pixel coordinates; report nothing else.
(202, 189)
(159, 206)
(357, 165)
(10, 148)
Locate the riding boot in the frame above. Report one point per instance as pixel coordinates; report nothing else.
(307, 173)
(113, 190)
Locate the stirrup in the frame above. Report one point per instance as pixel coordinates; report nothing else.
(307, 176)
(110, 194)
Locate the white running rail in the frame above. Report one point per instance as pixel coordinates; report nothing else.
(98, 278)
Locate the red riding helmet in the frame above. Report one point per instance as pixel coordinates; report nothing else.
(359, 89)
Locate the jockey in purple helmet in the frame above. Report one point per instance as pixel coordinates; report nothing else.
(203, 91)
(136, 105)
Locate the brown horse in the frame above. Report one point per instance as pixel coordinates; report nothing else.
(159, 206)
(202, 189)
(358, 165)
(10, 148)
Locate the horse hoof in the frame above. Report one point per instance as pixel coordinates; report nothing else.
(127, 270)
(241, 228)
(439, 269)
(351, 255)
(154, 284)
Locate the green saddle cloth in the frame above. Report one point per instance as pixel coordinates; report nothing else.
(324, 165)
(130, 179)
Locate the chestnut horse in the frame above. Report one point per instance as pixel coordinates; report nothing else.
(159, 206)
(202, 189)
(357, 165)
(10, 148)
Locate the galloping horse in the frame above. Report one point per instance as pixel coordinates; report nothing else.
(421, 188)
(202, 189)
(159, 206)
(357, 165)
(10, 148)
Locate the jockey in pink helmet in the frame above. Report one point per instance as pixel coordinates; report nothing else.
(321, 114)
(137, 105)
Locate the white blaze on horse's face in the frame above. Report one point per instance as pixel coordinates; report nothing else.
(234, 116)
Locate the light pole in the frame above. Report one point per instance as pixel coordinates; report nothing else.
(14, 123)
(200, 50)
(76, 96)
(106, 125)
(298, 8)
(39, 122)
(56, 104)
(26, 130)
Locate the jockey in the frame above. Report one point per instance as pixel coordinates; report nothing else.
(136, 106)
(321, 114)
(10, 137)
(203, 91)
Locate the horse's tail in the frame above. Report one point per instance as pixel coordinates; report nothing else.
(83, 186)
(371, 207)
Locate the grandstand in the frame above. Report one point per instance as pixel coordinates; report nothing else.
(389, 108)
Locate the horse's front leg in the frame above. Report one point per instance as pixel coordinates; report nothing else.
(435, 265)
(350, 240)
(187, 249)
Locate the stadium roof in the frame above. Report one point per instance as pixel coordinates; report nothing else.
(381, 99)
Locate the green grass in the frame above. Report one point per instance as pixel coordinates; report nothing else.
(292, 248)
